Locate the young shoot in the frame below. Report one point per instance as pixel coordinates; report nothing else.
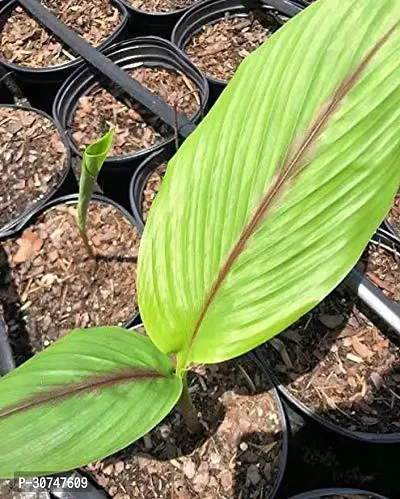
(93, 158)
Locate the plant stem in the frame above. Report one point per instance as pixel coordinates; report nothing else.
(86, 244)
(189, 412)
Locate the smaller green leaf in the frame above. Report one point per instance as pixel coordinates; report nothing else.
(93, 159)
(87, 396)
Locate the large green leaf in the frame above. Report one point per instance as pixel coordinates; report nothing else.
(194, 297)
(87, 396)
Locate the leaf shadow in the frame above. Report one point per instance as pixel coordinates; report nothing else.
(13, 315)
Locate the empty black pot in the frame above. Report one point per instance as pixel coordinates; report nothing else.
(328, 493)
(117, 171)
(40, 85)
(210, 11)
(143, 22)
(66, 185)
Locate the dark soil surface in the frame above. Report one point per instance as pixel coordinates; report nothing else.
(152, 187)
(23, 41)
(394, 213)
(219, 48)
(135, 129)
(161, 5)
(50, 285)
(339, 363)
(237, 457)
(32, 160)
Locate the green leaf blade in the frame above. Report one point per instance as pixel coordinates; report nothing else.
(119, 387)
(318, 228)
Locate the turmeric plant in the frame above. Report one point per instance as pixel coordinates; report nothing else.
(263, 210)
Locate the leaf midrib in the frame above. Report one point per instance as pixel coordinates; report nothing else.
(93, 383)
(294, 162)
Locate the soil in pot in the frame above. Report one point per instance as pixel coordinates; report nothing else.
(220, 47)
(162, 5)
(32, 160)
(55, 283)
(394, 213)
(23, 41)
(341, 365)
(238, 456)
(135, 129)
(152, 187)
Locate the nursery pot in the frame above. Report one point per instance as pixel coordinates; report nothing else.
(117, 171)
(145, 22)
(5, 94)
(303, 3)
(307, 412)
(72, 199)
(388, 227)
(66, 185)
(40, 85)
(140, 178)
(210, 11)
(327, 493)
(285, 431)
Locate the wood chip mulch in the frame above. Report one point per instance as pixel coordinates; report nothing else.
(162, 5)
(136, 128)
(32, 160)
(152, 187)
(339, 363)
(238, 457)
(219, 48)
(394, 213)
(49, 285)
(23, 40)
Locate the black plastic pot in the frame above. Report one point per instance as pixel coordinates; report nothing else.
(117, 171)
(140, 178)
(210, 11)
(285, 430)
(303, 3)
(327, 493)
(144, 23)
(66, 185)
(388, 227)
(40, 85)
(5, 94)
(70, 199)
(305, 411)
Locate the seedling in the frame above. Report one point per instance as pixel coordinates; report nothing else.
(263, 211)
(92, 161)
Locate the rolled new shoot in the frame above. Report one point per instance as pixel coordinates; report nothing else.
(93, 159)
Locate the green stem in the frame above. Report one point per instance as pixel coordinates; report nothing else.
(86, 244)
(189, 412)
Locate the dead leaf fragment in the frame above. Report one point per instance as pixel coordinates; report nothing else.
(29, 244)
(362, 350)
